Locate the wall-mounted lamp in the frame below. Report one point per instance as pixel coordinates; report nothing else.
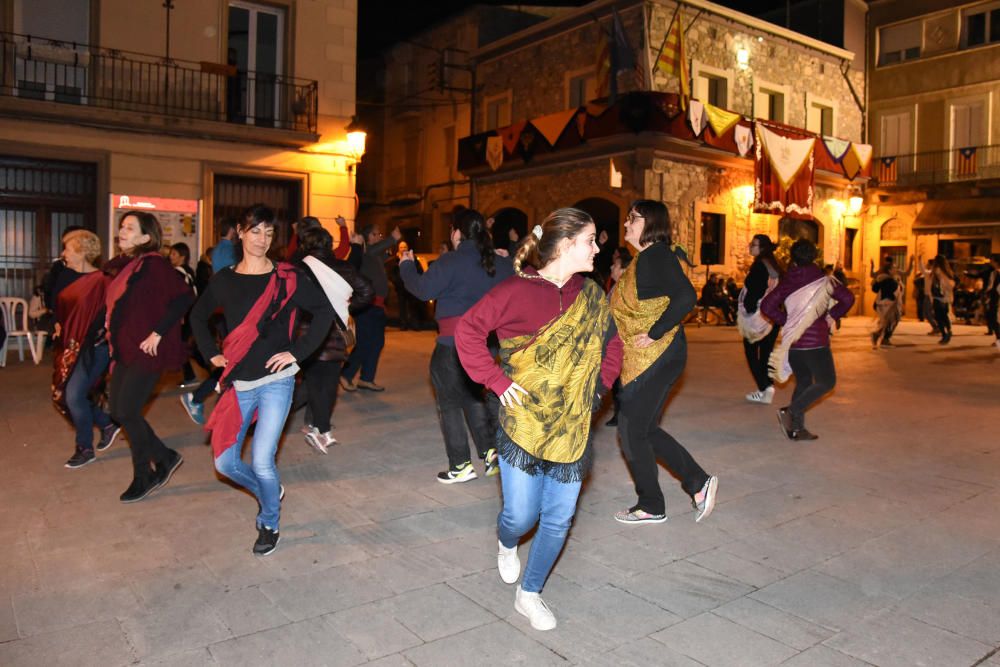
(854, 200)
(742, 57)
(356, 137)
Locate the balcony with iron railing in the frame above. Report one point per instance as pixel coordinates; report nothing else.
(973, 163)
(86, 82)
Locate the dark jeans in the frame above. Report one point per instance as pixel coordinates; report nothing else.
(992, 326)
(370, 330)
(321, 380)
(131, 388)
(941, 316)
(84, 413)
(815, 375)
(642, 439)
(757, 355)
(459, 401)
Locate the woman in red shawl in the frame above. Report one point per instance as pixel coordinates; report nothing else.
(81, 351)
(145, 304)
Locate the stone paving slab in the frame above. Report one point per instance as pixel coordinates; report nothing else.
(875, 545)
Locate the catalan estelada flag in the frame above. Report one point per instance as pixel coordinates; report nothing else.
(672, 59)
(965, 162)
(887, 170)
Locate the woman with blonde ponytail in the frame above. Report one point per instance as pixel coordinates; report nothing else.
(559, 352)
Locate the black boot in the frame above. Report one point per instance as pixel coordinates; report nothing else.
(137, 490)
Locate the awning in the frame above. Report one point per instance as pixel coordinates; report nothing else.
(947, 215)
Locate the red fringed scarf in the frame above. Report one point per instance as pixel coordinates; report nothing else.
(226, 420)
(82, 300)
(118, 287)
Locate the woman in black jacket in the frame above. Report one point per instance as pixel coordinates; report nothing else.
(321, 373)
(758, 333)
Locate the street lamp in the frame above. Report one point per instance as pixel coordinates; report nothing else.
(356, 137)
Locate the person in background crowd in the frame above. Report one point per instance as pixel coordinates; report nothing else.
(81, 348)
(224, 254)
(649, 305)
(346, 290)
(991, 297)
(370, 322)
(559, 353)
(888, 303)
(457, 281)
(889, 269)
(942, 293)
(203, 270)
(443, 249)
(180, 259)
(713, 295)
(51, 282)
(145, 304)
(260, 301)
(806, 304)
(838, 273)
(758, 333)
(620, 261)
(409, 306)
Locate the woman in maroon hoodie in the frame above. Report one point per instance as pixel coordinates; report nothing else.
(145, 304)
(806, 304)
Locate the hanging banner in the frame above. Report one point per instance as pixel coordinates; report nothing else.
(784, 170)
(721, 120)
(527, 144)
(552, 126)
(744, 139)
(494, 152)
(863, 153)
(511, 134)
(696, 116)
(837, 148)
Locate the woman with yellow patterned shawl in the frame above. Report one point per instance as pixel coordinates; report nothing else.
(649, 304)
(559, 353)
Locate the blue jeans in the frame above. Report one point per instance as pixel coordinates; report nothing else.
(84, 413)
(370, 330)
(530, 499)
(271, 402)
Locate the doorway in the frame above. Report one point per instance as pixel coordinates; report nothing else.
(256, 46)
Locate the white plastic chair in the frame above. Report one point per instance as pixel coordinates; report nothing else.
(17, 328)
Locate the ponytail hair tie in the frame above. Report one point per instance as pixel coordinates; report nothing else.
(537, 231)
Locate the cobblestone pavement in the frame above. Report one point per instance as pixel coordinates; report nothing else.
(877, 544)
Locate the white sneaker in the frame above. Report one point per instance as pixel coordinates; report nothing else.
(320, 441)
(764, 397)
(508, 563)
(532, 606)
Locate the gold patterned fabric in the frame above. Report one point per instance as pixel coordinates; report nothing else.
(635, 316)
(559, 367)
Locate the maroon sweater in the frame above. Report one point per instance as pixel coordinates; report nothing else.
(519, 307)
(155, 300)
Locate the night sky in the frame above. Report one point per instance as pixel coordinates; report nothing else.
(383, 22)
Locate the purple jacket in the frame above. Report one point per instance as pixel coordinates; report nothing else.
(818, 334)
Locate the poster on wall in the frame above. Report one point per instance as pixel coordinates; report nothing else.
(178, 217)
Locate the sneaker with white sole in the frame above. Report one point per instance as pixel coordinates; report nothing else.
(764, 396)
(637, 516)
(492, 462)
(108, 435)
(320, 441)
(462, 473)
(707, 503)
(196, 411)
(508, 563)
(533, 606)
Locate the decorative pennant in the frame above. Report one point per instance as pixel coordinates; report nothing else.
(494, 152)
(837, 148)
(863, 153)
(721, 120)
(744, 139)
(787, 156)
(511, 134)
(527, 144)
(552, 126)
(581, 123)
(850, 164)
(696, 116)
(595, 109)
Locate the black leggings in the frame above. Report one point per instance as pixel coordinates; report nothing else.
(321, 380)
(941, 316)
(131, 388)
(815, 375)
(757, 355)
(642, 439)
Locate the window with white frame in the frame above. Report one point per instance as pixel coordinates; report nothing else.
(896, 138)
(581, 87)
(981, 25)
(820, 116)
(899, 42)
(497, 111)
(968, 124)
(712, 85)
(770, 101)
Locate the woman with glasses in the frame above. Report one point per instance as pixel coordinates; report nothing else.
(757, 331)
(649, 304)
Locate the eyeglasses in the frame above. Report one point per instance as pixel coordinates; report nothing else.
(634, 218)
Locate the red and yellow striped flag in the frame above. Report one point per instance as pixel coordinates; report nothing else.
(603, 63)
(672, 59)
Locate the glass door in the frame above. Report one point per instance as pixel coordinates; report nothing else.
(256, 47)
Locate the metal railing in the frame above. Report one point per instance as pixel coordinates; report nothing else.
(80, 74)
(937, 167)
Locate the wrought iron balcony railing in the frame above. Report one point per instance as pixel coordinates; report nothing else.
(80, 74)
(937, 167)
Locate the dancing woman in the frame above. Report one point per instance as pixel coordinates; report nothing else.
(260, 302)
(81, 350)
(457, 281)
(145, 304)
(758, 333)
(942, 291)
(649, 305)
(559, 352)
